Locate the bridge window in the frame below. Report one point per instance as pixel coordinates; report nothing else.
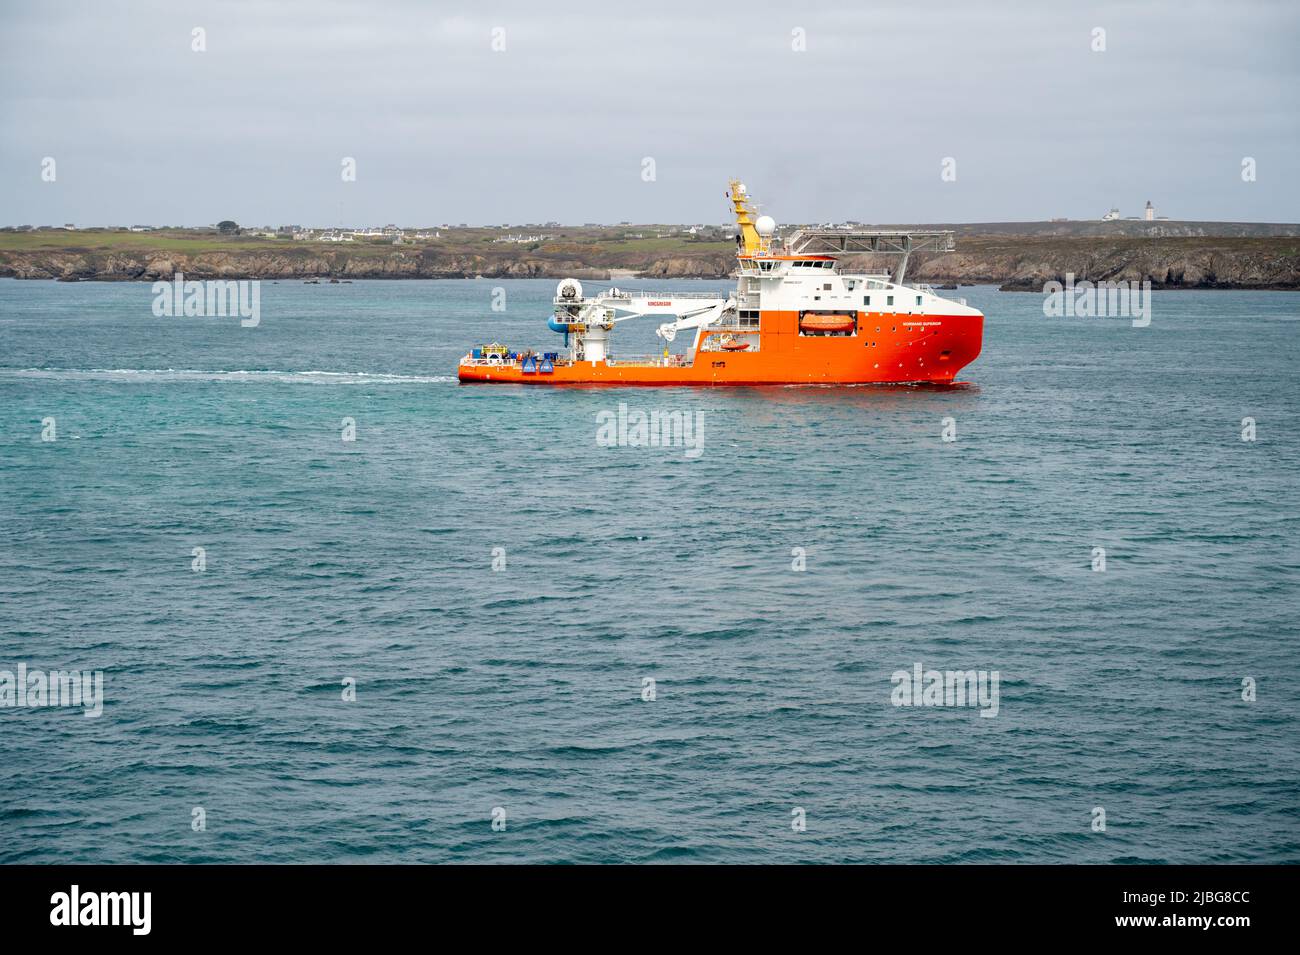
(866, 300)
(889, 300)
(918, 300)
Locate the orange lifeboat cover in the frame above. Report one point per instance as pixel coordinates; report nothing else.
(840, 322)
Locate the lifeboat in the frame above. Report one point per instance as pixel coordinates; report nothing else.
(732, 345)
(823, 322)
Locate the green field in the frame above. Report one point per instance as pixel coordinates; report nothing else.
(169, 240)
(566, 241)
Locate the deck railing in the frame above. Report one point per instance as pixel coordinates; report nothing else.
(624, 294)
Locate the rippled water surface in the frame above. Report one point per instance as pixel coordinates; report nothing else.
(522, 688)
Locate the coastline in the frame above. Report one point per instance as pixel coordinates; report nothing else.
(1012, 261)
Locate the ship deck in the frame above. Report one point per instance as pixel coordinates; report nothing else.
(619, 361)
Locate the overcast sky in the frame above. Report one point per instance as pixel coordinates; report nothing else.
(557, 125)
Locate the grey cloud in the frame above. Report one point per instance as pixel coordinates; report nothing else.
(443, 129)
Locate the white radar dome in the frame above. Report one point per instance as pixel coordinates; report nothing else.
(765, 225)
(569, 288)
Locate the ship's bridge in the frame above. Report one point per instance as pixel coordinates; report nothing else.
(771, 265)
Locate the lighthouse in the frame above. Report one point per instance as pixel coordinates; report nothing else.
(1151, 211)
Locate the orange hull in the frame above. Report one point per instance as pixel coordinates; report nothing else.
(886, 348)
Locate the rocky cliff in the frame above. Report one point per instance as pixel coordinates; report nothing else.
(153, 265)
(1025, 263)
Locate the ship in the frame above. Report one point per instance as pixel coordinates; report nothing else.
(795, 317)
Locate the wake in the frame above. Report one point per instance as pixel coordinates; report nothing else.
(162, 375)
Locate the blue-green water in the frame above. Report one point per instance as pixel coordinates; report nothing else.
(522, 688)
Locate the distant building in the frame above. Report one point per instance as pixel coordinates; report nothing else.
(1110, 216)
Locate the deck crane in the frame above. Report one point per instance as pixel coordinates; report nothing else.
(588, 321)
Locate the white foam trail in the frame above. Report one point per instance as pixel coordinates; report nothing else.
(154, 375)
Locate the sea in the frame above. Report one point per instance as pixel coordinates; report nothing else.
(347, 610)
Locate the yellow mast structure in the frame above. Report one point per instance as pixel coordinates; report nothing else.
(751, 242)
